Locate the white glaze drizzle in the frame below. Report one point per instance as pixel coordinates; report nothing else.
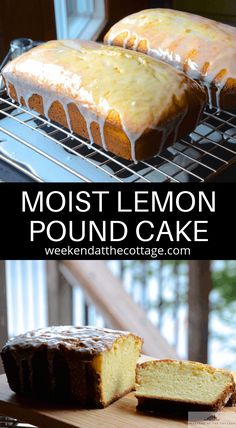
(31, 372)
(177, 126)
(214, 43)
(208, 88)
(50, 357)
(49, 99)
(20, 366)
(163, 139)
(7, 89)
(151, 80)
(19, 359)
(136, 42)
(65, 107)
(126, 40)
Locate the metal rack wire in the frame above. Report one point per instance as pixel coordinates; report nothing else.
(6, 422)
(198, 157)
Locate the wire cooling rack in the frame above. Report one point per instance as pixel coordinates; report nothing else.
(46, 151)
(6, 422)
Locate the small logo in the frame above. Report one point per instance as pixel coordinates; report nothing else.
(212, 419)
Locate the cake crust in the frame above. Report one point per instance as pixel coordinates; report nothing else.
(232, 400)
(178, 407)
(180, 39)
(86, 341)
(126, 102)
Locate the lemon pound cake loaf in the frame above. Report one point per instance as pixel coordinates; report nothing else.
(88, 365)
(124, 101)
(171, 386)
(202, 48)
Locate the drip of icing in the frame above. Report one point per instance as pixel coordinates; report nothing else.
(30, 364)
(220, 86)
(133, 137)
(126, 40)
(197, 42)
(183, 115)
(218, 92)
(19, 363)
(198, 117)
(65, 107)
(136, 42)
(166, 131)
(163, 139)
(89, 119)
(50, 357)
(101, 123)
(47, 102)
(8, 91)
(19, 359)
(208, 87)
(98, 80)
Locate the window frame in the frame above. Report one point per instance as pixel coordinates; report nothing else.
(87, 22)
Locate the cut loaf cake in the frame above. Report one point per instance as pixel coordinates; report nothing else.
(88, 365)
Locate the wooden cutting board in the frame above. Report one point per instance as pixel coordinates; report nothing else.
(120, 414)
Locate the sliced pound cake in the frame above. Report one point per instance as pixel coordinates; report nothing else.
(232, 400)
(182, 386)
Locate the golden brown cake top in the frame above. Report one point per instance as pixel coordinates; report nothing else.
(203, 48)
(86, 340)
(194, 365)
(99, 80)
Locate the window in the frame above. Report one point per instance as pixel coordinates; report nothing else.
(82, 19)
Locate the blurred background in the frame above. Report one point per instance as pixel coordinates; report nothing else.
(88, 19)
(182, 309)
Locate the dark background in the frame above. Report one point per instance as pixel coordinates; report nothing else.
(14, 226)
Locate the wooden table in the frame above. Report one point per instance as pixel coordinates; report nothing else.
(120, 414)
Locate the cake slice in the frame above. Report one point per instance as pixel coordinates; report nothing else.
(171, 386)
(88, 365)
(232, 400)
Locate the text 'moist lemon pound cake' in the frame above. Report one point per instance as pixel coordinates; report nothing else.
(204, 49)
(88, 365)
(172, 386)
(124, 101)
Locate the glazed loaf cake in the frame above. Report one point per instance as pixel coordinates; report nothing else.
(126, 102)
(204, 49)
(88, 365)
(171, 386)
